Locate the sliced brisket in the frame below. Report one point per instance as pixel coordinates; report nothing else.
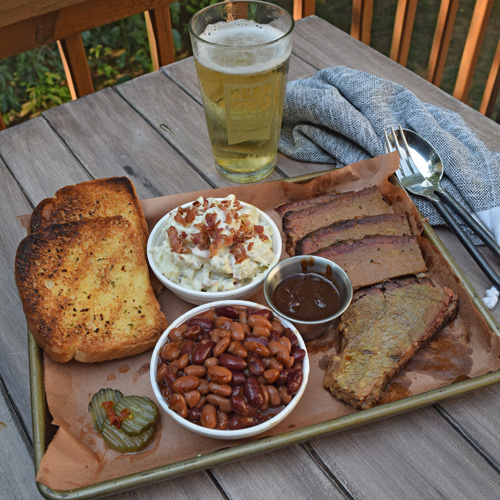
(382, 329)
(376, 258)
(354, 229)
(293, 206)
(342, 206)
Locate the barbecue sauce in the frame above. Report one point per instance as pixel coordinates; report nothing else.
(307, 296)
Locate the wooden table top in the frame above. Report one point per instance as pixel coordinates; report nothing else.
(152, 129)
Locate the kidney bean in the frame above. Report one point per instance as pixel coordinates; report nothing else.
(169, 378)
(186, 383)
(176, 334)
(278, 327)
(287, 344)
(203, 387)
(170, 351)
(221, 389)
(298, 354)
(220, 374)
(256, 348)
(293, 338)
(178, 404)
(206, 324)
(192, 397)
(222, 420)
(233, 363)
(238, 379)
(237, 349)
(202, 352)
(182, 362)
(274, 363)
(187, 347)
(294, 381)
(255, 365)
(265, 394)
(193, 414)
(240, 405)
(259, 320)
(208, 416)
(223, 322)
(279, 351)
(274, 335)
(261, 340)
(253, 394)
(274, 395)
(271, 375)
(221, 346)
(266, 313)
(161, 371)
(193, 333)
(195, 371)
(237, 331)
(220, 402)
(285, 397)
(228, 311)
(240, 422)
(283, 376)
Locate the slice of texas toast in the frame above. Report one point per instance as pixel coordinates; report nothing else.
(95, 198)
(85, 290)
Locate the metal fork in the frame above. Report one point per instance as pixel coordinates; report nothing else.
(414, 182)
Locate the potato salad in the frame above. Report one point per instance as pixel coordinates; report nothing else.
(214, 245)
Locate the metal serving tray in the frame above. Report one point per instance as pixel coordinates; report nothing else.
(42, 428)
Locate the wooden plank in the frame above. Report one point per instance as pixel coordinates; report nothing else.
(128, 145)
(303, 8)
(475, 36)
(361, 23)
(412, 456)
(403, 29)
(54, 25)
(17, 479)
(492, 86)
(161, 41)
(75, 66)
(291, 471)
(441, 41)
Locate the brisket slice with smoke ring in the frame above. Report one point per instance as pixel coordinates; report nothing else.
(375, 259)
(342, 206)
(382, 329)
(353, 229)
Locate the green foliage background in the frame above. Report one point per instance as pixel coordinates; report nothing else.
(34, 81)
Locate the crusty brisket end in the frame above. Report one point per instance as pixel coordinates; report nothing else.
(375, 259)
(342, 206)
(382, 329)
(353, 229)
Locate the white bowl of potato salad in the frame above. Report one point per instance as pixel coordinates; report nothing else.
(214, 248)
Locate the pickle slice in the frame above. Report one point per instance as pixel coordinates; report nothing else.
(143, 414)
(97, 410)
(119, 440)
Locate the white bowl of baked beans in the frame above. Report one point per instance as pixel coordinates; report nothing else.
(229, 369)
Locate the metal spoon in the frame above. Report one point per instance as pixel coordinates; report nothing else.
(430, 165)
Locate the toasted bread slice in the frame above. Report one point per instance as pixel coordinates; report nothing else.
(95, 198)
(85, 290)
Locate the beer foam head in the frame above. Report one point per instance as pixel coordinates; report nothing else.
(242, 46)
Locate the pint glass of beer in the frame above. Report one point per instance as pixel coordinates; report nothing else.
(242, 50)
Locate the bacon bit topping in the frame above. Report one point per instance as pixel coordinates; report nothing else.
(239, 252)
(211, 220)
(114, 419)
(176, 240)
(250, 245)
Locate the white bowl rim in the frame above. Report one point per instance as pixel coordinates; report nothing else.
(277, 248)
(216, 433)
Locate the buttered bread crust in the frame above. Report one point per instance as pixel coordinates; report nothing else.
(83, 277)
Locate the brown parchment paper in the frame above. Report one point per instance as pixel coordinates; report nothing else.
(77, 456)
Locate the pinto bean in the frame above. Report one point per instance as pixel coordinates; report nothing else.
(178, 404)
(208, 416)
(186, 383)
(220, 374)
(221, 346)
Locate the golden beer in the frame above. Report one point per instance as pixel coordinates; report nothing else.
(242, 68)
